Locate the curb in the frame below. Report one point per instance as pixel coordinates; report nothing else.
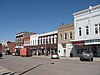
(71, 58)
(77, 58)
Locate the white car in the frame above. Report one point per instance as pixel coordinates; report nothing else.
(54, 56)
(13, 54)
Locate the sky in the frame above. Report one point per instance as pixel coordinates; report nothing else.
(37, 16)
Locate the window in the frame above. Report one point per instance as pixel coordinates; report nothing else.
(64, 52)
(80, 33)
(87, 30)
(65, 36)
(70, 35)
(43, 40)
(46, 41)
(99, 28)
(21, 39)
(60, 36)
(59, 51)
(39, 41)
(16, 40)
(50, 40)
(96, 29)
(55, 39)
(33, 42)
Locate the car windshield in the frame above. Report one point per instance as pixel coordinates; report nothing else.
(88, 52)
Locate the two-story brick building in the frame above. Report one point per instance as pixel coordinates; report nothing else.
(20, 37)
(11, 46)
(47, 43)
(65, 34)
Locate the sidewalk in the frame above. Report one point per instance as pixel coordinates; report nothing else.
(71, 58)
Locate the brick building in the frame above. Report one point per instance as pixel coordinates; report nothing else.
(11, 46)
(65, 34)
(47, 43)
(20, 38)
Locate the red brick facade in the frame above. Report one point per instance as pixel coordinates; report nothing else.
(11, 46)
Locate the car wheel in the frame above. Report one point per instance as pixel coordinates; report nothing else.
(91, 59)
(81, 59)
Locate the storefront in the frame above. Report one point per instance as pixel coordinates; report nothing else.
(89, 45)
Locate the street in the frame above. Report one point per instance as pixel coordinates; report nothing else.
(46, 66)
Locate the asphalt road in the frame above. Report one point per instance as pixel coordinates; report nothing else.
(46, 66)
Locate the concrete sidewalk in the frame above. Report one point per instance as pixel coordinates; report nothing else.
(71, 58)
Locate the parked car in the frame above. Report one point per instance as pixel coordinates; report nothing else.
(86, 55)
(1, 55)
(15, 54)
(54, 56)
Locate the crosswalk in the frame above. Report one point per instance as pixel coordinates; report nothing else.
(4, 71)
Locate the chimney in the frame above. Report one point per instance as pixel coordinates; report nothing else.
(90, 7)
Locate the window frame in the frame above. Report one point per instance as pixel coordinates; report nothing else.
(79, 31)
(87, 30)
(65, 36)
(70, 35)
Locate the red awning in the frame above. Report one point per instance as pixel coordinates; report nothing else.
(78, 42)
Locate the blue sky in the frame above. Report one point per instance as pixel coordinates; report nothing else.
(37, 15)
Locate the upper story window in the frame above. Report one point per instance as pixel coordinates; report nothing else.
(70, 35)
(87, 30)
(55, 39)
(16, 40)
(51, 39)
(43, 40)
(33, 42)
(60, 36)
(65, 36)
(80, 31)
(48, 40)
(99, 28)
(96, 29)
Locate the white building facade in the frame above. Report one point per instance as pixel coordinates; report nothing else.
(34, 43)
(87, 30)
(34, 39)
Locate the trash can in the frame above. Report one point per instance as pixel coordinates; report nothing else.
(71, 54)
